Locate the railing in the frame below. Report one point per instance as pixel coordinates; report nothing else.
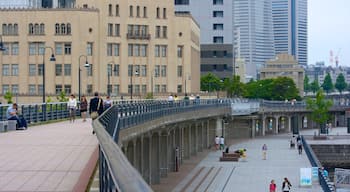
(316, 163)
(116, 173)
(34, 113)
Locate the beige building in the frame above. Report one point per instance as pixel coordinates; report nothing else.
(284, 66)
(141, 45)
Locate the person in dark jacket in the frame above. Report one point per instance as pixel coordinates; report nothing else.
(96, 105)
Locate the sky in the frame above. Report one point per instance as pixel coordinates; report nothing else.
(329, 29)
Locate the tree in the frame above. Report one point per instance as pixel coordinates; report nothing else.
(210, 82)
(327, 83)
(235, 87)
(340, 83)
(319, 109)
(307, 86)
(284, 88)
(314, 86)
(62, 97)
(8, 96)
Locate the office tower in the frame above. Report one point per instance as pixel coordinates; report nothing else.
(290, 28)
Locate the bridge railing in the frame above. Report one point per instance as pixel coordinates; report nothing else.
(116, 173)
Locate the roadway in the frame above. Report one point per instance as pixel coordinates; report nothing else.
(48, 157)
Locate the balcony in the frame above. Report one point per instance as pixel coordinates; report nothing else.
(138, 36)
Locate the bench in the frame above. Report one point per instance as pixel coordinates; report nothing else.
(8, 125)
(229, 157)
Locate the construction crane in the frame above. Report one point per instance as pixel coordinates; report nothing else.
(337, 58)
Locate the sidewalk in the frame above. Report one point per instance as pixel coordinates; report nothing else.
(253, 175)
(50, 157)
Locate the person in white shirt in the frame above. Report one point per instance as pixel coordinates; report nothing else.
(217, 142)
(222, 143)
(72, 106)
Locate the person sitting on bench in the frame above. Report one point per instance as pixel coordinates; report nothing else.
(12, 115)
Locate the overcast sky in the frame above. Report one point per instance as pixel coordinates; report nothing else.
(329, 29)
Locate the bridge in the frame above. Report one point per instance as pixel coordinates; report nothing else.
(148, 140)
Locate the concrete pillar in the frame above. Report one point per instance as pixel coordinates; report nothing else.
(300, 122)
(263, 123)
(182, 144)
(187, 142)
(208, 133)
(193, 143)
(163, 154)
(146, 154)
(277, 123)
(289, 124)
(253, 128)
(171, 149)
(219, 128)
(155, 159)
(200, 137)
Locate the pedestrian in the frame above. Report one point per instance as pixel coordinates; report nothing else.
(72, 106)
(286, 185)
(273, 186)
(264, 151)
(107, 103)
(222, 143)
(83, 107)
(96, 107)
(12, 114)
(300, 147)
(217, 142)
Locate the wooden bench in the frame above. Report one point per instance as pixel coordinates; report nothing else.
(229, 157)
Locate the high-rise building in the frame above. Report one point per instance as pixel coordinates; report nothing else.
(132, 47)
(290, 28)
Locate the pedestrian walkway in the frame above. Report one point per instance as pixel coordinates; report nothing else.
(253, 175)
(51, 157)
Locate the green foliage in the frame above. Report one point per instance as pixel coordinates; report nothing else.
(62, 97)
(49, 99)
(8, 96)
(307, 86)
(234, 87)
(314, 86)
(340, 83)
(149, 96)
(210, 82)
(327, 83)
(319, 107)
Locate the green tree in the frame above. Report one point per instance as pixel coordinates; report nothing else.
(62, 97)
(307, 86)
(8, 96)
(284, 88)
(327, 83)
(314, 86)
(235, 87)
(210, 82)
(340, 83)
(319, 108)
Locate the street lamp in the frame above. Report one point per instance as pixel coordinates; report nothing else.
(2, 48)
(131, 85)
(79, 73)
(52, 58)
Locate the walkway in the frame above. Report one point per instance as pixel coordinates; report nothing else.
(253, 175)
(51, 157)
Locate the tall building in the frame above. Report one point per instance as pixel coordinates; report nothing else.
(253, 33)
(132, 47)
(215, 20)
(290, 28)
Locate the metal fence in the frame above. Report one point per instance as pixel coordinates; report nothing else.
(116, 173)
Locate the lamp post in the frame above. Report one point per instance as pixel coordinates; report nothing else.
(79, 74)
(2, 48)
(52, 58)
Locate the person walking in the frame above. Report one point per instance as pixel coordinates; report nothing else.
(222, 143)
(264, 151)
(300, 147)
(217, 142)
(286, 185)
(96, 107)
(83, 107)
(72, 106)
(273, 186)
(107, 103)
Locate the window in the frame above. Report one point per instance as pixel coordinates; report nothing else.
(57, 29)
(143, 50)
(130, 70)
(67, 69)
(67, 89)
(109, 49)
(179, 88)
(144, 70)
(116, 70)
(67, 48)
(164, 13)
(14, 69)
(112, 49)
(117, 30)
(36, 48)
(116, 49)
(110, 29)
(163, 71)
(7, 51)
(89, 48)
(164, 50)
(36, 29)
(156, 51)
(5, 69)
(156, 71)
(89, 88)
(117, 10)
(42, 29)
(144, 12)
(182, 2)
(40, 89)
(32, 70)
(157, 88)
(63, 28)
(15, 29)
(116, 89)
(4, 29)
(179, 71)
(218, 26)
(131, 14)
(32, 89)
(179, 51)
(69, 29)
(58, 69)
(165, 32)
(138, 11)
(89, 70)
(163, 88)
(58, 89)
(218, 14)
(110, 10)
(218, 2)
(14, 48)
(31, 29)
(157, 31)
(130, 50)
(218, 39)
(58, 48)
(158, 13)
(136, 50)
(5, 88)
(14, 88)
(144, 89)
(40, 69)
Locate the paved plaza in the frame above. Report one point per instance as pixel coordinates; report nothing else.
(50, 157)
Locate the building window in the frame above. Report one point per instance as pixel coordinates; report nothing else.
(144, 70)
(157, 31)
(57, 29)
(218, 39)
(218, 26)
(31, 29)
(69, 29)
(156, 88)
(164, 50)
(165, 32)
(14, 88)
(67, 89)
(5, 88)
(163, 71)
(110, 29)
(144, 89)
(182, 2)
(144, 50)
(32, 70)
(144, 12)
(40, 69)
(163, 89)
(130, 70)
(67, 69)
(32, 89)
(36, 48)
(42, 29)
(179, 71)
(116, 89)
(218, 14)
(89, 49)
(63, 29)
(14, 48)
(158, 13)
(164, 13)
(131, 14)
(218, 2)
(138, 11)
(156, 71)
(58, 89)
(58, 69)
(6, 70)
(116, 70)
(110, 10)
(89, 89)
(157, 50)
(90, 70)
(179, 88)
(67, 48)
(112, 49)
(117, 30)
(14, 69)
(179, 51)
(58, 49)
(117, 10)
(40, 89)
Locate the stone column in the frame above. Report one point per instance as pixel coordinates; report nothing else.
(155, 158)
(263, 123)
(277, 124)
(289, 124)
(163, 153)
(219, 128)
(253, 128)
